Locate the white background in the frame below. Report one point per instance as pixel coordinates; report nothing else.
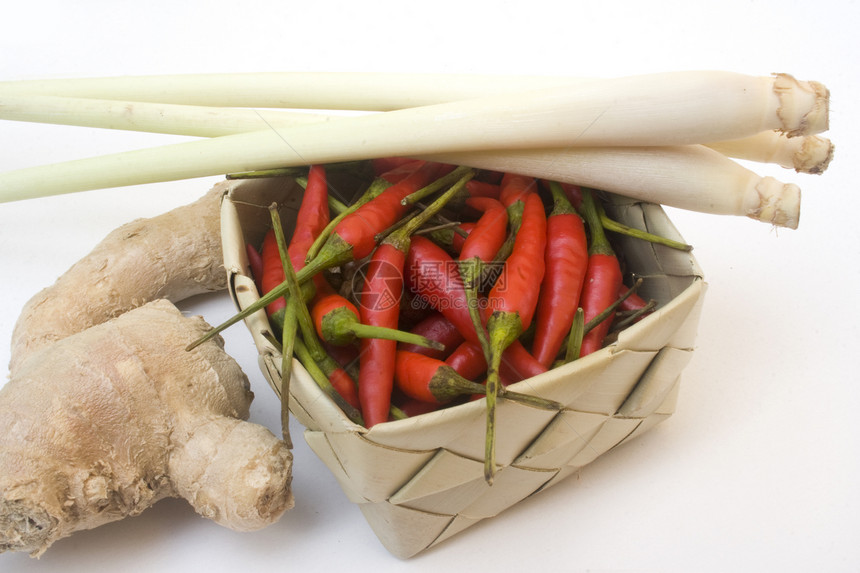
(758, 468)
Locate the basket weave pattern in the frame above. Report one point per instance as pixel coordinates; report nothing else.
(420, 481)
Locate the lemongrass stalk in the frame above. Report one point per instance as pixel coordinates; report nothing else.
(644, 110)
(691, 177)
(808, 154)
(654, 109)
(308, 90)
(171, 119)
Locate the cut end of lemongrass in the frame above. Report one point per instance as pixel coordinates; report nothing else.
(814, 155)
(804, 107)
(806, 154)
(776, 203)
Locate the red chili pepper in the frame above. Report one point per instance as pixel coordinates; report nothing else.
(429, 379)
(477, 188)
(434, 275)
(359, 230)
(517, 363)
(376, 365)
(516, 292)
(332, 360)
(571, 191)
(337, 321)
(376, 187)
(515, 188)
(632, 302)
(566, 263)
(388, 166)
(488, 234)
(435, 327)
(603, 278)
(273, 271)
(346, 355)
(325, 372)
(458, 240)
(490, 176)
(468, 360)
(354, 237)
(380, 306)
(341, 381)
(513, 300)
(308, 347)
(337, 375)
(312, 218)
(255, 263)
(376, 375)
(479, 205)
(633, 305)
(412, 310)
(412, 407)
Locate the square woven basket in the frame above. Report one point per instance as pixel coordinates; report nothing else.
(420, 481)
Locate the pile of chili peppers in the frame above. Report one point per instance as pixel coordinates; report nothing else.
(442, 284)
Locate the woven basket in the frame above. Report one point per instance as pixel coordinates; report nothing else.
(420, 481)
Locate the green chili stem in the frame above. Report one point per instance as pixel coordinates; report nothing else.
(303, 316)
(288, 331)
(397, 413)
(603, 315)
(317, 374)
(435, 228)
(267, 173)
(630, 318)
(288, 345)
(323, 382)
(336, 205)
(503, 328)
(401, 237)
(561, 204)
(492, 393)
(369, 331)
(528, 400)
(614, 226)
(574, 339)
(437, 185)
(415, 223)
(599, 243)
(447, 222)
(379, 237)
(470, 271)
(297, 171)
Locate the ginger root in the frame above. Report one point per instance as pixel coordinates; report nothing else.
(173, 256)
(106, 412)
(102, 424)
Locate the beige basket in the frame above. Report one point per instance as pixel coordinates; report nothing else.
(420, 481)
